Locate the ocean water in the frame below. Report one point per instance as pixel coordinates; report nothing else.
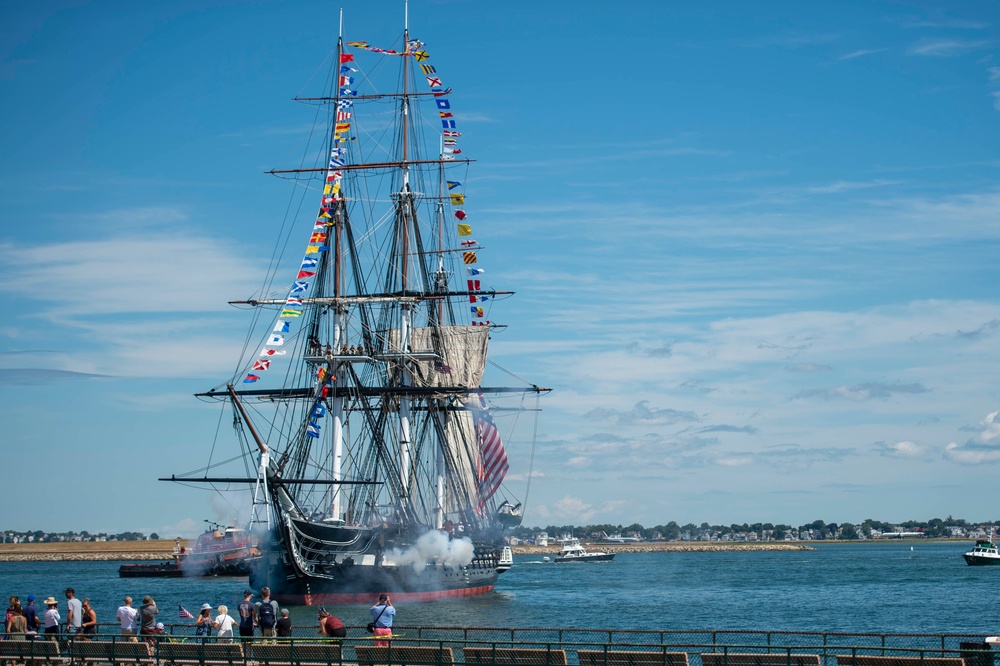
(880, 588)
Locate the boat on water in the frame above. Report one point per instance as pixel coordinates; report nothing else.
(984, 553)
(166, 569)
(573, 551)
(218, 551)
(366, 398)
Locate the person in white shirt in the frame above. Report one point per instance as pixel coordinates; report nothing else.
(223, 625)
(52, 616)
(127, 617)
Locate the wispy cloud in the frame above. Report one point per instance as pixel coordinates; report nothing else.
(947, 48)
(869, 391)
(789, 457)
(40, 376)
(641, 414)
(847, 186)
(575, 510)
(956, 23)
(904, 449)
(860, 53)
(809, 367)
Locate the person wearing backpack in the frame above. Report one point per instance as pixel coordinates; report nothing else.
(266, 612)
(246, 614)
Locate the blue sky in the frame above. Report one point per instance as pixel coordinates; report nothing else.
(755, 245)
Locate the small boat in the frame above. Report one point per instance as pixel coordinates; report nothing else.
(984, 553)
(506, 559)
(168, 569)
(572, 551)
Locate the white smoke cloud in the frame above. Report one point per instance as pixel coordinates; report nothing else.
(433, 547)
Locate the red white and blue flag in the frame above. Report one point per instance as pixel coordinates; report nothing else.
(183, 613)
(493, 464)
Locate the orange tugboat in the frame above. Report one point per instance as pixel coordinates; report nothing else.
(218, 551)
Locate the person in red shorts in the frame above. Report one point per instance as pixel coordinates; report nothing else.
(382, 614)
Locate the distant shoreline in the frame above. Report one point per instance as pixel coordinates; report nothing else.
(669, 547)
(117, 551)
(83, 551)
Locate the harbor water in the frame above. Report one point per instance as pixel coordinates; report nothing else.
(865, 587)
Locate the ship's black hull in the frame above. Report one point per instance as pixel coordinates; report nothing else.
(316, 564)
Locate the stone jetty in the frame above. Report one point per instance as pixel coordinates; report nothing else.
(110, 551)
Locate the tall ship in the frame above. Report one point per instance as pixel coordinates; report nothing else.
(374, 437)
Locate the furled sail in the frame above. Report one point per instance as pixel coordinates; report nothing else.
(446, 355)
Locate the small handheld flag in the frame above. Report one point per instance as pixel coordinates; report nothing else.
(183, 613)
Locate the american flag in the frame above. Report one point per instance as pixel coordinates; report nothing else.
(183, 613)
(492, 456)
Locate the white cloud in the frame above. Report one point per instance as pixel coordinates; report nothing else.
(903, 449)
(859, 53)
(983, 448)
(946, 48)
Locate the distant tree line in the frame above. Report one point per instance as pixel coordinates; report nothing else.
(818, 529)
(38, 536)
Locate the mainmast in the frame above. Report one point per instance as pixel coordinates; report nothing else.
(339, 316)
(403, 222)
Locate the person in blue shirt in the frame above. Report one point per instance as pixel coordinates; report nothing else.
(382, 615)
(31, 614)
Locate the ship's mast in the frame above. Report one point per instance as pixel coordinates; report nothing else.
(403, 222)
(339, 317)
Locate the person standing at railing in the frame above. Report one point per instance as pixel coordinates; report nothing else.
(74, 612)
(246, 611)
(17, 627)
(52, 616)
(147, 618)
(266, 612)
(89, 620)
(31, 615)
(284, 625)
(14, 604)
(224, 625)
(127, 618)
(382, 614)
(203, 625)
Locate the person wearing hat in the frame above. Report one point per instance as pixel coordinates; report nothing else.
(330, 625)
(246, 610)
(52, 616)
(147, 617)
(31, 614)
(382, 614)
(127, 618)
(283, 627)
(203, 623)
